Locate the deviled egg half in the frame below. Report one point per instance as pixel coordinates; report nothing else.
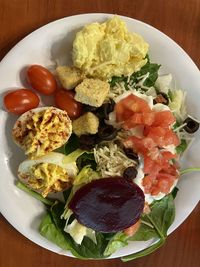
(51, 173)
(42, 130)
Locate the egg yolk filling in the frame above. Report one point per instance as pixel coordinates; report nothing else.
(43, 132)
(48, 177)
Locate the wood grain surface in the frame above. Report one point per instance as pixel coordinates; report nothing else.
(179, 19)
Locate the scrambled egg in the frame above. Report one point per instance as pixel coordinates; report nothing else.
(108, 49)
(42, 130)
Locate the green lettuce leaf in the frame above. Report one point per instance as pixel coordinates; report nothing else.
(52, 227)
(150, 68)
(86, 175)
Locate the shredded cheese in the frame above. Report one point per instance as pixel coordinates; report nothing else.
(111, 159)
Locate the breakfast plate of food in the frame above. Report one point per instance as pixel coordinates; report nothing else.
(99, 130)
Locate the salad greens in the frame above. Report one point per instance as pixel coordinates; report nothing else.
(151, 68)
(154, 225)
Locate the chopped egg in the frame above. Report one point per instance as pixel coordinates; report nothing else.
(42, 130)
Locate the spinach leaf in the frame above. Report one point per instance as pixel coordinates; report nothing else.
(72, 144)
(154, 225)
(162, 215)
(23, 187)
(174, 192)
(150, 68)
(182, 147)
(52, 227)
(145, 232)
(85, 159)
(66, 193)
(119, 240)
(49, 231)
(144, 252)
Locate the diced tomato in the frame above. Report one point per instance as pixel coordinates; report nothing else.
(151, 167)
(171, 138)
(168, 155)
(136, 143)
(132, 229)
(160, 171)
(162, 136)
(164, 118)
(147, 208)
(145, 118)
(130, 105)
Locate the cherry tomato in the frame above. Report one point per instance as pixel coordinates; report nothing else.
(20, 101)
(65, 100)
(41, 79)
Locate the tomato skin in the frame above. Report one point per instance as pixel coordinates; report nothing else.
(130, 231)
(130, 105)
(64, 99)
(41, 79)
(20, 101)
(164, 118)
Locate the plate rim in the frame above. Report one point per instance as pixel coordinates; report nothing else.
(8, 218)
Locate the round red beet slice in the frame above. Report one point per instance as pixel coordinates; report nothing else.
(108, 205)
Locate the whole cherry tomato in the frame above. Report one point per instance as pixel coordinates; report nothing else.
(41, 79)
(20, 101)
(64, 99)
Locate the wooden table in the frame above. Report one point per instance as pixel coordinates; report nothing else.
(178, 19)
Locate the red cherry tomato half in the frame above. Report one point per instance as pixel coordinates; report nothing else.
(41, 79)
(20, 101)
(65, 100)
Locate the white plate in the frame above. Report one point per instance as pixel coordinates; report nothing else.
(53, 42)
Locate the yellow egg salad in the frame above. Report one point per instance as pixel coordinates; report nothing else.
(104, 50)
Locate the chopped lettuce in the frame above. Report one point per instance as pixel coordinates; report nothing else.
(86, 175)
(78, 231)
(177, 103)
(163, 83)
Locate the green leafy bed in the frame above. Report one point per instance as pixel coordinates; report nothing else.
(154, 225)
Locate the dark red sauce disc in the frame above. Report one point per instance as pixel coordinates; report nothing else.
(108, 205)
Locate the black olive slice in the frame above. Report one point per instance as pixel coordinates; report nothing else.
(130, 173)
(107, 132)
(108, 205)
(88, 108)
(191, 125)
(131, 154)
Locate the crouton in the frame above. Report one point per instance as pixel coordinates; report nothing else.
(69, 77)
(86, 124)
(92, 92)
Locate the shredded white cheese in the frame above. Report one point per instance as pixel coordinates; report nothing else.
(111, 160)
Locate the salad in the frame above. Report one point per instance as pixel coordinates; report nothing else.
(105, 159)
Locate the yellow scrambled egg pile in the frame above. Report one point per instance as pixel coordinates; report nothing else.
(48, 177)
(108, 49)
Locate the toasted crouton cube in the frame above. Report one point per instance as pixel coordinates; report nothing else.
(86, 124)
(92, 92)
(69, 77)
